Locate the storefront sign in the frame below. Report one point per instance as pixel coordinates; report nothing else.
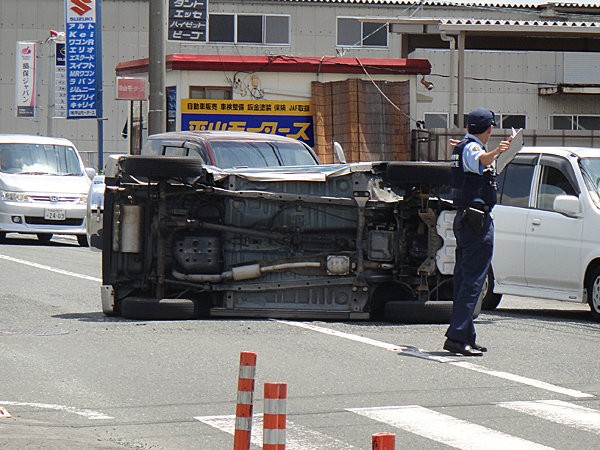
(187, 20)
(25, 79)
(286, 118)
(131, 88)
(81, 59)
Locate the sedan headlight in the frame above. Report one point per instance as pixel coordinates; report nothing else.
(15, 196)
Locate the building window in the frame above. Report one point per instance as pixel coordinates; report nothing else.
(249, 29)
(210, 93)
(354, 33)
(574, 122)
(515, 121)
(435, 120)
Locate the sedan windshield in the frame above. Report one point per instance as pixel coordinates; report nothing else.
(232, 154)
(590, 168)
(39, 159)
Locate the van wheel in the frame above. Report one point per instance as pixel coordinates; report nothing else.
(161, 167)
(44, 237)
(82, 240)
(490, 300)
(412, 311)
(143, 308)
(593, 293)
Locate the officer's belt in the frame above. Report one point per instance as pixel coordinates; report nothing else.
(479, 207)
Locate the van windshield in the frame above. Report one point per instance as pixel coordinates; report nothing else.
(39, 159)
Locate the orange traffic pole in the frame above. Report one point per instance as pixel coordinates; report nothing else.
(274, 422)
(383, 441)
(245, 394)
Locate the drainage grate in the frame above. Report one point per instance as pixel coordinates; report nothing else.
(32, 332)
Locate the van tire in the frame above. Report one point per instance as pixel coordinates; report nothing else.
(418, 172)
(82, 240)
(161, 167)
(143, 308)
(44, 237)
(412, 311)
(593, 293)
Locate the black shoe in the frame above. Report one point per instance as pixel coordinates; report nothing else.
(462, 348)
(481, 348)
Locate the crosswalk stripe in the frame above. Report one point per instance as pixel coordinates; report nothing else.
(446, 429)
(297, 436)
(560, 412)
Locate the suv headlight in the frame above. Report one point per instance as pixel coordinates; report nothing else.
(15, 196)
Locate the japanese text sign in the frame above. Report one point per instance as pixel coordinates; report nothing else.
(131, 88)
(283, 117)
(81, 58)
(187, 20)
(25, 79)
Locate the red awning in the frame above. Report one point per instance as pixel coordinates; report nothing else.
(301, 64)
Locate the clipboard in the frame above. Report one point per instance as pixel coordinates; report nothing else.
(516, 144)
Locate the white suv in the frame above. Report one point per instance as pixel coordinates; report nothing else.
(547, 227)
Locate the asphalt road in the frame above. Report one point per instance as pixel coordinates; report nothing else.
(75, 379)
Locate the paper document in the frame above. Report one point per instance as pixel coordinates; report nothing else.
(516, 143)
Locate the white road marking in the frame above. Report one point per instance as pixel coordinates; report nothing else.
(413, 351)
(560, 412)
(51, 269)
(445, 429)
(297, 436)
(92, 415)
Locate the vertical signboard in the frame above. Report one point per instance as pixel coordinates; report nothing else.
(25, 79)
(60, 81)
(187, 20)
(81, 59)
(171, 107)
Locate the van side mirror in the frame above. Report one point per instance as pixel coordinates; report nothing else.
(339, 152)
(568, 205)
(90, 172)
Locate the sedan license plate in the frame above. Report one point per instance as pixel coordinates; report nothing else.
(55, 214)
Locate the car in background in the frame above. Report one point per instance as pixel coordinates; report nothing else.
(221, 149)
(547, 243)
(43, 187)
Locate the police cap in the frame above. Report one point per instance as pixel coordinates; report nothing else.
(479, 120)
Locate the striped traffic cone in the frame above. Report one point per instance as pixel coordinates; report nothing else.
(274, 422)
(383, 441)
(245, 394)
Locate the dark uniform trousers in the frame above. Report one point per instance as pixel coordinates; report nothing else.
(473, 257)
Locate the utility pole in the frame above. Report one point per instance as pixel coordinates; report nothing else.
(156, 68)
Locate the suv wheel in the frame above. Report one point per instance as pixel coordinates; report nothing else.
(161, 167)
(143, 308)
(413, 311)
(593, 293)
(490, 300)
(418, 172)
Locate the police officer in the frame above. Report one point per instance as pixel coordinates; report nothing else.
(474, 196)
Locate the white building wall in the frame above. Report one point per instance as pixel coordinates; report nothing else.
(507, 83)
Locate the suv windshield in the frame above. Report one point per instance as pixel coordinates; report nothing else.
(230, 154)
(590, 168)
(39, 159)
